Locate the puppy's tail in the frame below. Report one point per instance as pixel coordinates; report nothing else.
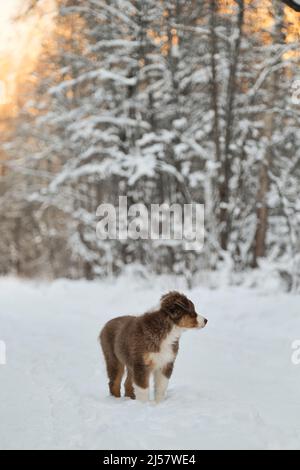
(106, 337)
(101, 337)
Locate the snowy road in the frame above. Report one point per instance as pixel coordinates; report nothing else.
(234, 384)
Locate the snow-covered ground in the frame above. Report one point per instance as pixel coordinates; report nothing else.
(234, 384)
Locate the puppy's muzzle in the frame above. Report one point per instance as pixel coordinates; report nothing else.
(202, 322)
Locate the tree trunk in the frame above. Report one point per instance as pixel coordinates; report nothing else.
(262, 210)
(229, 132)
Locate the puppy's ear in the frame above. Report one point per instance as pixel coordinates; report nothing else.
(173, 304)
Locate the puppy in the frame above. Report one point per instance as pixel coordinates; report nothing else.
(147, 345)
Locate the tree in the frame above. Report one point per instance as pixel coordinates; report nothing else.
(162, 102)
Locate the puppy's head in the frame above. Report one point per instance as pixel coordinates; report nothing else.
(181, 311)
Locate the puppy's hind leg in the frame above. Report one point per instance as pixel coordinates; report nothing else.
(115, 369)
(129, 390)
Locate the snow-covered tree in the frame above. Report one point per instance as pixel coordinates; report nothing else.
(164, 102)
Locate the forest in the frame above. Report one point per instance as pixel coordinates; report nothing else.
(169, 101)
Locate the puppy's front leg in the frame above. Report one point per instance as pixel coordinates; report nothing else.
(141, 394)
(141, 378)
(161, 381)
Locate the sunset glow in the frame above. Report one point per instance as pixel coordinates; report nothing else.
(20, 43)
(21, 38)
(3, 93)
(7, 12)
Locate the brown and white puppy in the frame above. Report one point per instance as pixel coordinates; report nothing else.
(147, 345)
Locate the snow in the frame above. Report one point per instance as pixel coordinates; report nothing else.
(234, 384)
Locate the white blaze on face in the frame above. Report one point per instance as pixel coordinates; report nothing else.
(201, 321)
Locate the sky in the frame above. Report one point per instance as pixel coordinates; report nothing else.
(7, 10)
(20, 43)
(7, 28)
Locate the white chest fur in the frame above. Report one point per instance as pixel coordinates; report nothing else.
(166, 353)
